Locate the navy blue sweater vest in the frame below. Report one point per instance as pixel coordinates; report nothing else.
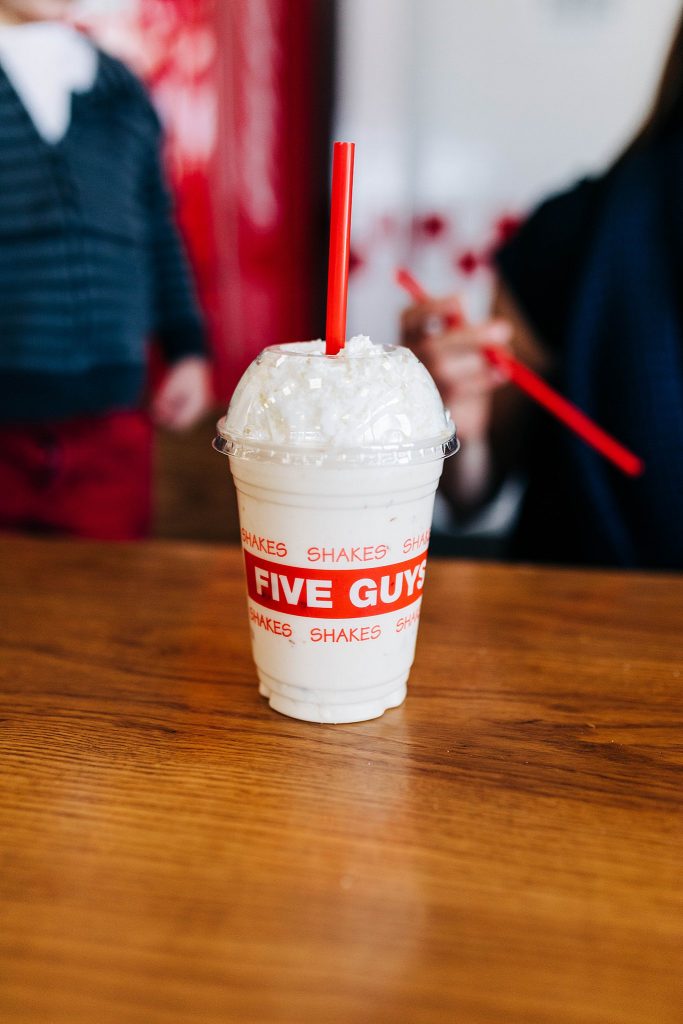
(597, 272)
(91, 264)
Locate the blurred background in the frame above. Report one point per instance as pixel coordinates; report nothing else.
(465, 115)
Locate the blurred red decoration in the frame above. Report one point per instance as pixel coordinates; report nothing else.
(506, 227)
(468, 262)
(430, 227)
(356, 261)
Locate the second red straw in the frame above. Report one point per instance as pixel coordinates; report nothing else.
(535, 387)
(340, 247)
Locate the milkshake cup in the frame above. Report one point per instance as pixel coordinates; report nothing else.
(336, 460)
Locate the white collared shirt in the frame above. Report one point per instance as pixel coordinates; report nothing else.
(47, 61)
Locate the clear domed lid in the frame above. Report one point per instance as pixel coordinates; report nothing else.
(370, 405)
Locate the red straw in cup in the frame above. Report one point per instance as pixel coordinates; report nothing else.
(340, 242)
(534, 386)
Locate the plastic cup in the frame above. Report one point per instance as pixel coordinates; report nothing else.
(335, 527)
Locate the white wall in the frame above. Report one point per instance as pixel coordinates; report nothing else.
(474, 108)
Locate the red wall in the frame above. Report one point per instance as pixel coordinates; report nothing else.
(252, 191)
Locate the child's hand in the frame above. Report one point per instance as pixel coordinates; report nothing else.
(184, 396)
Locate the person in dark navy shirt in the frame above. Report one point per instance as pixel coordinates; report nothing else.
(91, 268)
(589, 294)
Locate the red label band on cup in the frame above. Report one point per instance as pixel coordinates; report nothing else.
(335, 593)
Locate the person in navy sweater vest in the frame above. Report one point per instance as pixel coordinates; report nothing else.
(91, 268)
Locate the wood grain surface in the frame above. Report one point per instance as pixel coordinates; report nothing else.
(506, 847)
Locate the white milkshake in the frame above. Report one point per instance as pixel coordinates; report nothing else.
(336, 460)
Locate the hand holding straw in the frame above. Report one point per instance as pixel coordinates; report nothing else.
(340, 240)
(535, 387)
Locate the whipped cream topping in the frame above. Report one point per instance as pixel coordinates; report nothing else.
(295, 395)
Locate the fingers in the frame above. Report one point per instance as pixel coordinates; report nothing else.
(457, 385)
(460, 384)
(423, 319)
(188, 411)
(168, 401)
(456, 360)
(163, 408)
(452, 351)
(182, 399)
(472, 337)
(178, 411)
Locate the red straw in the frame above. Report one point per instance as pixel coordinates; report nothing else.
(340, 236)
(536, 388)
(410, 284)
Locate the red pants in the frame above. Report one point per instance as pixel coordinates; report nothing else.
(89, 477)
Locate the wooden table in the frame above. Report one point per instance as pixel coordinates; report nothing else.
(506, 847)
